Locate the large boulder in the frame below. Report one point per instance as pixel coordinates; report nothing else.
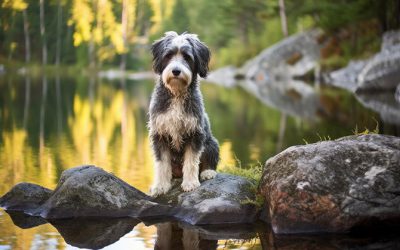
(90, 191)
(333, 186)
(85, 191)
(224, 199)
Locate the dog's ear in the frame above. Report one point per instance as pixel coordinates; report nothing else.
(201, 53)
(158, 48)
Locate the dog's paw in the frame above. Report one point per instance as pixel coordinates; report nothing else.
(188, 186)
(208, 174)
(157, 190)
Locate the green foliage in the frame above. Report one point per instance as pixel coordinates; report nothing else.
(94, 31)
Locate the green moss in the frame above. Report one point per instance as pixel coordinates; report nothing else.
(253, 174)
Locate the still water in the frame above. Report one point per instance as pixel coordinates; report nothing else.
(49, 124)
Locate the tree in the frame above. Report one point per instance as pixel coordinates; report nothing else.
(43, 33)
(59, 27)
(21, 5)
(128, 17)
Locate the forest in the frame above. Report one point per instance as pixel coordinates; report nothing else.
(117, 34)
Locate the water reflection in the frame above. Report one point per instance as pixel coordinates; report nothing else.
(113, 232)
(49, 124)
(292, 97)
(384, 103)
(94, 234)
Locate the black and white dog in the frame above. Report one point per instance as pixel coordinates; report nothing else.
(179, 127)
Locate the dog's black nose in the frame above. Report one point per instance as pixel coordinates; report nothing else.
(176, 72)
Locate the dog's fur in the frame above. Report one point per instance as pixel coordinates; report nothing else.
(179, 127)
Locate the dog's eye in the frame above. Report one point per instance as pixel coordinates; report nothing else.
(187, 57)
(169, 55)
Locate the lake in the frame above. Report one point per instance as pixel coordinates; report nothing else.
(49, 124)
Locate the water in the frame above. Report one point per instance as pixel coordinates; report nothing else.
(49, 124)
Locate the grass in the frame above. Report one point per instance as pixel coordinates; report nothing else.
(356, 131)
(367, 131)
(253, 174)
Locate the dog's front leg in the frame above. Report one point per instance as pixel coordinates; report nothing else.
(191, 169)
(163, 173)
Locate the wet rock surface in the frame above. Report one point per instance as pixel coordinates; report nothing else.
(333, 186)
(89, 191)
(25, 197)
(224, 199)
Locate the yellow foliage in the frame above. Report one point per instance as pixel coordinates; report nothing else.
(162, 10)
(18, 5)
(83, 18)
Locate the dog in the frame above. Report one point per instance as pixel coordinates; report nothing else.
(179, 128)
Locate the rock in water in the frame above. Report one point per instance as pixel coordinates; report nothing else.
(333, 186)
(90, 191)
(85, 191)
(224, 199)
(25, 197)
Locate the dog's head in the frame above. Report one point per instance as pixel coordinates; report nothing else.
(178, 59)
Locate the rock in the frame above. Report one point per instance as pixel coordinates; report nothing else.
(346, 78)
(224, 76)
(25, 197)
(333, 186)
(224, 199)
(380, 72)
(89, 191)
(269, 76)
(85, 191)
(295, 55)
(390, 39)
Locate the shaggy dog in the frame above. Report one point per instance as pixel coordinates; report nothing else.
(180, 131)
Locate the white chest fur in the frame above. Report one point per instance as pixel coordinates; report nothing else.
(175, 122)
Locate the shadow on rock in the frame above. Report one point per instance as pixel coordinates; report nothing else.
(93, 233)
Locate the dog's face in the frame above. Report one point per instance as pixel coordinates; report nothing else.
(178, 59)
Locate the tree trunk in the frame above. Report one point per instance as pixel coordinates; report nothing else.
(59, 22)
(124, 22)
(43, 33)
(27, 100)
(42, 115)
(282, 14)
(27, 40)
(283, 121)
